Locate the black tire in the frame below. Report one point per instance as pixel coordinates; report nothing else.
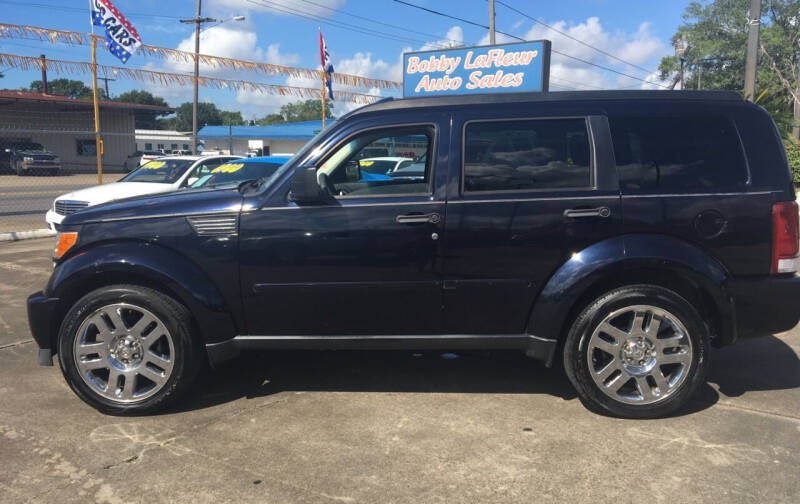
(188, 355)
(577, 359)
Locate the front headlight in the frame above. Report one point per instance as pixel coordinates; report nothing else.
(56, 159)
(27, 159)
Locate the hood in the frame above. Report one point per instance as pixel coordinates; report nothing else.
(162, 205)
(118, 190)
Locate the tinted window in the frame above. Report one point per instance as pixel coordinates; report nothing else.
(526, 155)
(671, 154)
(353, 170)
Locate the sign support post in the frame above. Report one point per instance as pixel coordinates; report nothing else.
(98, 142)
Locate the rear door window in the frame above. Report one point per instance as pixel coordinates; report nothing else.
(677, 154)
(527, 155)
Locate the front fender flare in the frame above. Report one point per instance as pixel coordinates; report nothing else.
(623, 255)
(132, 260)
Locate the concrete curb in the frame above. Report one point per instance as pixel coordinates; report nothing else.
(26, 235)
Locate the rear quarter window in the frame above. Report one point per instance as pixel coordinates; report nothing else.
(526, 155)
(678, 154)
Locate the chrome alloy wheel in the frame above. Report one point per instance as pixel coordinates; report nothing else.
(124, 352)
(639, 354)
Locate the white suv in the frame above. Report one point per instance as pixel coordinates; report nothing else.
(157, 176)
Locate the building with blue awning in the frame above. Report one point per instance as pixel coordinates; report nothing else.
(275, 139)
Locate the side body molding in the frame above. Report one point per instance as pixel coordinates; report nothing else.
(131, 260)
(621, 258)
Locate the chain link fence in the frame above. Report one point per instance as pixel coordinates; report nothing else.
(47, 149)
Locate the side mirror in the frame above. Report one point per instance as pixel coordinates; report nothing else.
(305, 189)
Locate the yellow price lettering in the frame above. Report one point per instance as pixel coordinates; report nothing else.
(154, 165)
(366, 163)
(228, 168)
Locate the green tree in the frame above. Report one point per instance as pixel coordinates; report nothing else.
(716, 32)
(307, 110)
(66, 87)
(232, 118)
(144, 119)
(207, 115)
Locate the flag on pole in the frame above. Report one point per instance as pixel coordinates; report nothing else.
(122, 38)
(327, 66)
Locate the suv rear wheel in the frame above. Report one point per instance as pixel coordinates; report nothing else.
(128, 349)
(638, 351)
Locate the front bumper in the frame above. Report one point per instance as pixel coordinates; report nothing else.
(40, 166)
(766, 305)
(41, 319)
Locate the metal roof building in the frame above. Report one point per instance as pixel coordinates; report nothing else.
(285, 138)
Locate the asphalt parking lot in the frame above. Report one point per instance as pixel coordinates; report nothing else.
(25, 200)
(381, 427)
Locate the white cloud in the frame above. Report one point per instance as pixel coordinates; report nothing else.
(640, 48)
(234, 43)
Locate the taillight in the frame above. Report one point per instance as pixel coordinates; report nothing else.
(785, 236)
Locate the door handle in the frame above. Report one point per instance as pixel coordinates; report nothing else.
(575, 213)
(432, 218)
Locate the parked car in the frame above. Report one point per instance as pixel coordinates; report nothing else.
(381, 168)
(138, 158)
(31, 157)
(621, 233)
(161, 175)
(237, 171)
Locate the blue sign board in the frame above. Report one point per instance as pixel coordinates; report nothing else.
(523, 66)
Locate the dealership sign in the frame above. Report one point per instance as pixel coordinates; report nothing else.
(523, 66)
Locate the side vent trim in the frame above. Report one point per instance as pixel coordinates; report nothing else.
(208, 225)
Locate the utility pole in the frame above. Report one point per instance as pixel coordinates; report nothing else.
(197, 21)
(44, 74)
(491, 22)
(754, 25)
(105, 81)
(700, 75)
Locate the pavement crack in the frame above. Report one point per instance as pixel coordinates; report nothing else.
(128, 460)
(16, 343)
(760, 411)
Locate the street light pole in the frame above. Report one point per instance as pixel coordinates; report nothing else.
(491, 22)
(681, 46)
(754, 24)
(198, 21)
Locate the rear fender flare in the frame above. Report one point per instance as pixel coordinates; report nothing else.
(623, 256)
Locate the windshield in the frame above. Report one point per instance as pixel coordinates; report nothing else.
(29, 147)
(161, 171)
(233, 173)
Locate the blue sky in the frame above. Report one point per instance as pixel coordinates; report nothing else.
(636, 31)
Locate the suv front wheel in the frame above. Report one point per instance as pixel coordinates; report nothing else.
(128, 349)
(638, 351)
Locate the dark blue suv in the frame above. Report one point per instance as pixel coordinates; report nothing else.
(621, 233)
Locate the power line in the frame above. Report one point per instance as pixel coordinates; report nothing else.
(338, 24)
(473, 23)
(590, 46)
(403, 28)
(79, 9)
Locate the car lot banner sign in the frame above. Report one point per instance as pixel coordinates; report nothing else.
(523, 66)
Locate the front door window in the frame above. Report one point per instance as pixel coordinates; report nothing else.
(385, 162)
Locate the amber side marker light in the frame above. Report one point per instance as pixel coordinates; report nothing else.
(64, 242)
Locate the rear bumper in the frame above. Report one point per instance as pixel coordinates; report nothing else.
(766, 305)
(41, 313)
